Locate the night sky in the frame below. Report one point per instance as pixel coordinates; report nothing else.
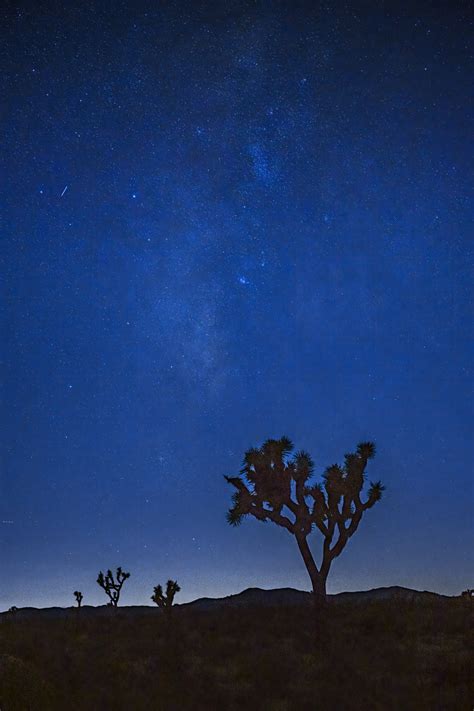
(223, 222)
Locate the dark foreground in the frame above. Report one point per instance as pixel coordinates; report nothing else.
(382, 655)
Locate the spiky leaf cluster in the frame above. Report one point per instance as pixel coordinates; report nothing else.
(275, 484)
(268, 473)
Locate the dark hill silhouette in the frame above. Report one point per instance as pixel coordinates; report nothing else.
(394, 592)
(251, 597)
(290, 596)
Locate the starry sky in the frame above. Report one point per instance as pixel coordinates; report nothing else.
(223, 222)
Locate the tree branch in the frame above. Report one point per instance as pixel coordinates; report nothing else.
(279, 519)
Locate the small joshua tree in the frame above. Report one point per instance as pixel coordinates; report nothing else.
(111, 585)
(79, 597)
(165, 601)
(275, 486)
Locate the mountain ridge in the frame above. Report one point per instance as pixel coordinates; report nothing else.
(250, 597)
(292, 596)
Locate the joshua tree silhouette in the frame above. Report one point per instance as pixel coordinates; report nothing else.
(165, 601)
(275, 486)
(79, 597)
(113, 587)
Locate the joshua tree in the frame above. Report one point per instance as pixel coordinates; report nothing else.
(79, 597)
(275, 486)
(113, 586)
(165, 601)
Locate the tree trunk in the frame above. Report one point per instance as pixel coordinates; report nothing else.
(318, 579)
(318, 582)
(319, 591)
